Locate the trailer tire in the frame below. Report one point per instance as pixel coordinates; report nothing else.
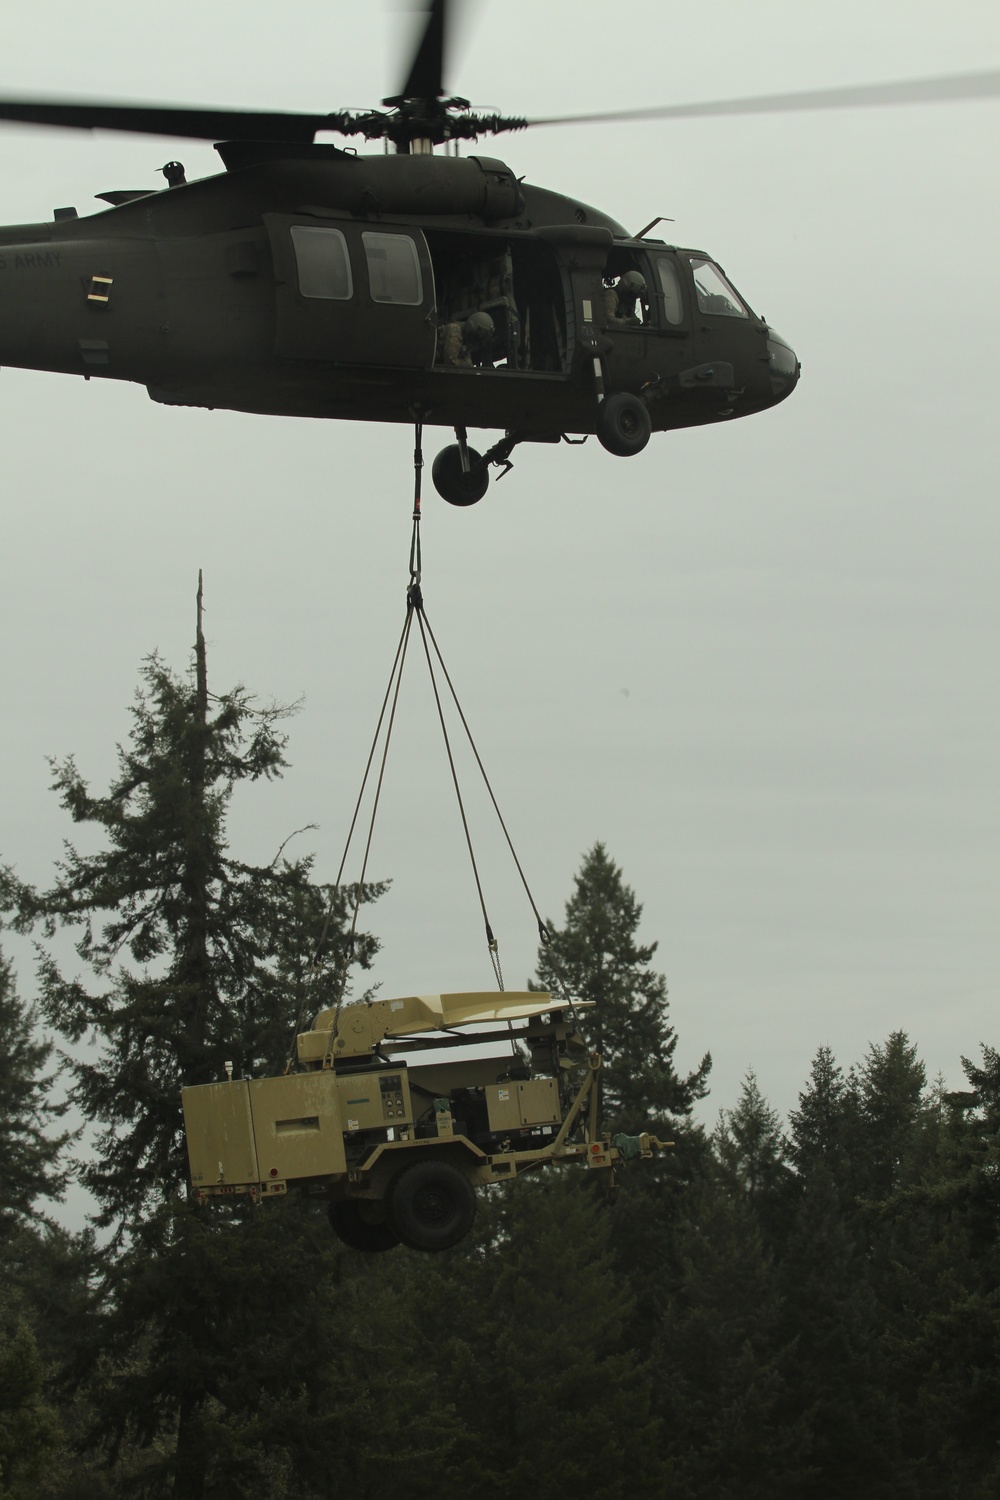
(362, 1224)
(432, 1205)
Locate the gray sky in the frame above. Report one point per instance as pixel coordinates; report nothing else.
(758, 661)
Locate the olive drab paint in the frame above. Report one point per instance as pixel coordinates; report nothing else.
(309, 281)
(388, 289)
(362, 1112)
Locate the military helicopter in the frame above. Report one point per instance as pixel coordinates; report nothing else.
(409, 286)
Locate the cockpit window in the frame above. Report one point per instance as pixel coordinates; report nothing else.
(715, 295)
(670, 288)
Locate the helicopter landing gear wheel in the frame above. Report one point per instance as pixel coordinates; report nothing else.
(623, 424)
(453, 483)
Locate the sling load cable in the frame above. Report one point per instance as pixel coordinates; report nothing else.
(395, 676)
(544, 931)
(414, 602)
(415, 606)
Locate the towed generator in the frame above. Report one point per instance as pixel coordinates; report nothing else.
(397, 1145)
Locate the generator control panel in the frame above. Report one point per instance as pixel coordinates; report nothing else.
(370, 1100)
(391, 1088)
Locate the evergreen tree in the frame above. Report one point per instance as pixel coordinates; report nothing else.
(751, 1149)
(724, 1352)
(723, 1358)
(211, 935)
(198, 958)
(837, 1366)
(824, 1128)
(30, 1437)
(596, 957)
(939, 1257)
(976, 1133)
(526, 1326)
(29, 1151)
(48, 1279)
(43, 1269)
(894, 1115)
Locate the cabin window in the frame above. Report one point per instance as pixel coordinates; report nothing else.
(670, 288)
(393, 269)
(323, 263)
(715, 295)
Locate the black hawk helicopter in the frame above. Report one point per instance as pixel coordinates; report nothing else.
(307, 280)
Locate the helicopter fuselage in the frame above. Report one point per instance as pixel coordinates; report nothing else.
(312, 282)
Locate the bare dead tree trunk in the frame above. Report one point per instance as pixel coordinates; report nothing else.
(196, 968)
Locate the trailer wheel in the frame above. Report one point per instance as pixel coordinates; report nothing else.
(362, 1224)
(432, 1205)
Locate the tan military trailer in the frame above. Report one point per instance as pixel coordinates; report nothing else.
(398, 1146)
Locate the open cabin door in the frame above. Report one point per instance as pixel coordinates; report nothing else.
(352, 293)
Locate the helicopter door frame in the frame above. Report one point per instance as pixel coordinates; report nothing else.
(350, 293)
(634, 343)
(670, 296)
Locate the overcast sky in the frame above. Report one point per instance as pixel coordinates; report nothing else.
(759, 661)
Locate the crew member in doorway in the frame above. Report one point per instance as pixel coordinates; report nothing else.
(468, 343)
(623, 301)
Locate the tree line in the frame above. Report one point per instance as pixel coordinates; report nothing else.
(772, 1309)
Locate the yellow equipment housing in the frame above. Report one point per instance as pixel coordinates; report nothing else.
(397, 1145)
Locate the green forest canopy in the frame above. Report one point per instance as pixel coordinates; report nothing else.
(801, 1308)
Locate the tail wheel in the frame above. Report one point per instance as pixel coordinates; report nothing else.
(432, 1205)
(451, 481)
(623, 424)
(362, 1224)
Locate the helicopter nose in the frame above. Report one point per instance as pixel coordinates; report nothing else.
(784, 367)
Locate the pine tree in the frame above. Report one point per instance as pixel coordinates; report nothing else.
(29, 1151)
(30, 1436)
(216, 977)
(725, 1352)
(894, 1111)
(197, 958)
(48, 1276)
(837, 1365)
(939, 1258)
(596, 957)
(824, 1127)
(36, 1285)
(750, 1146)
(43, 1269)
(526, 1327)
(723, 1357)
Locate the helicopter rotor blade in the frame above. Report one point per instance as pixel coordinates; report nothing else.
(425, 79)
(426, 75)
(854, 96)
(168, 120)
